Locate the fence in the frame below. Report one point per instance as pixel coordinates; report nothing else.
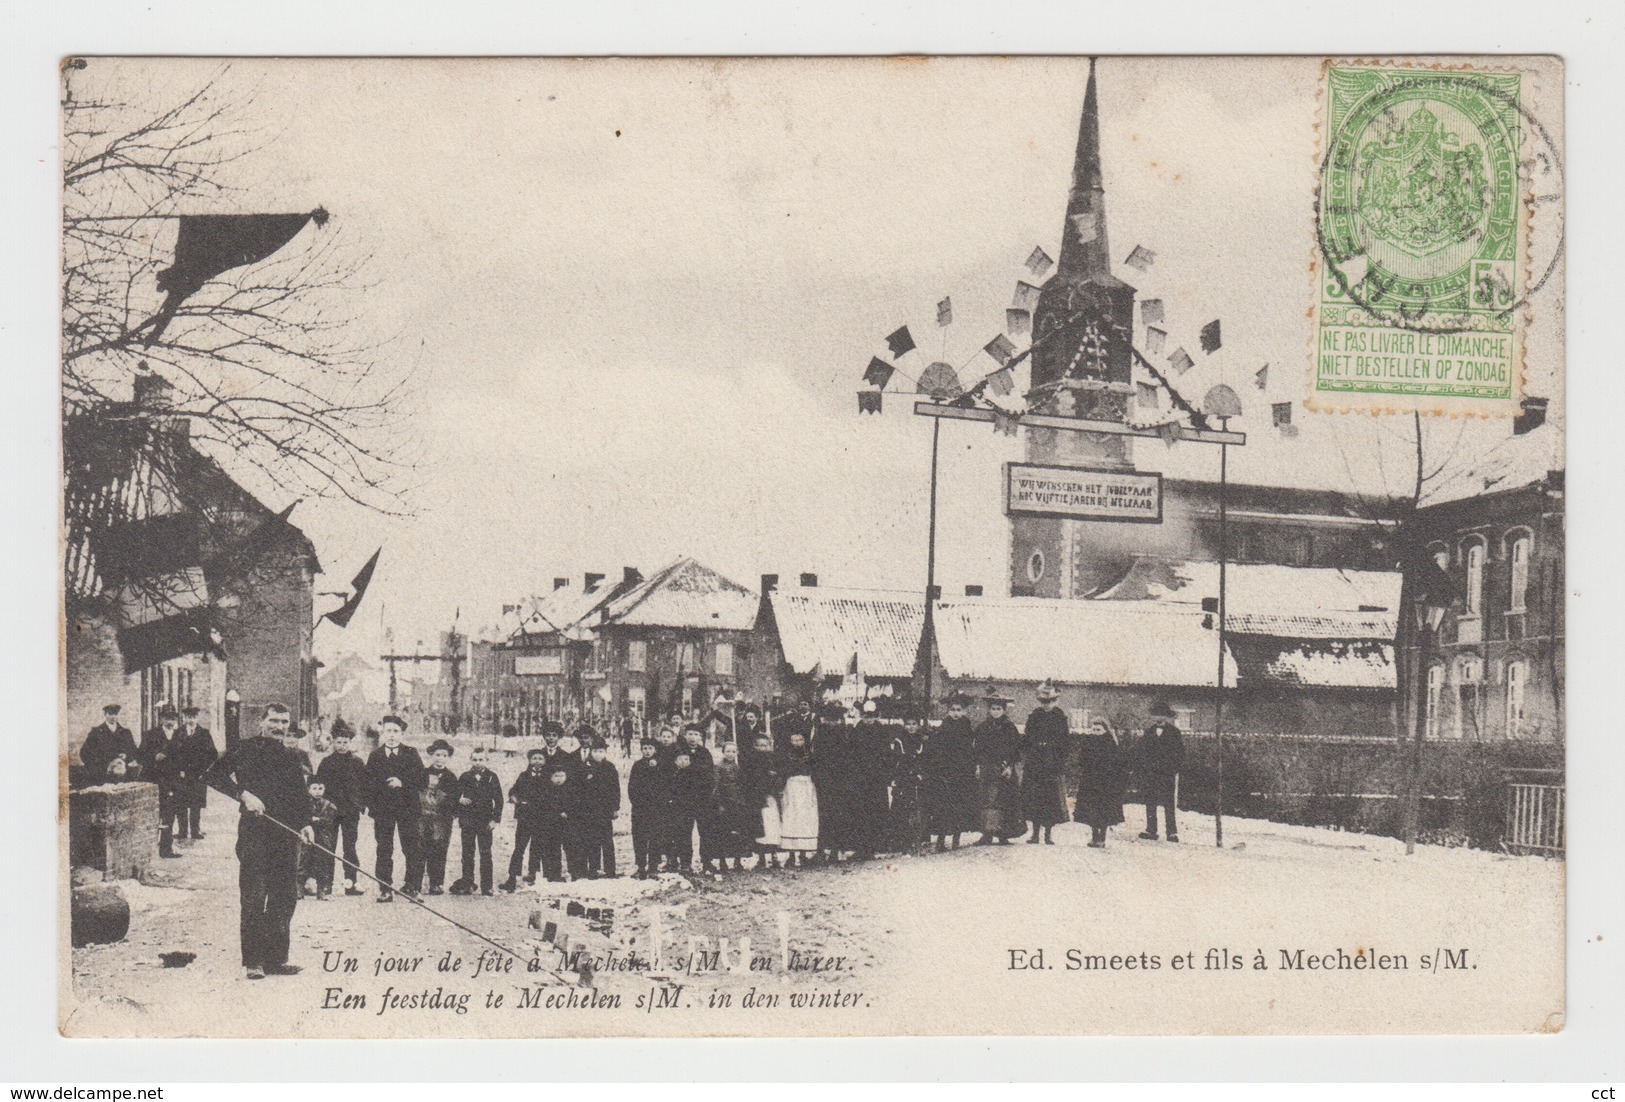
(1535, 815)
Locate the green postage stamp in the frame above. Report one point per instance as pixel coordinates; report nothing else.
(1420, 225)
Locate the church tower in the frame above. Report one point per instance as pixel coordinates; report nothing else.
(1082, 366)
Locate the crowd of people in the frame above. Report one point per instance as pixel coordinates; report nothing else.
(818, 788)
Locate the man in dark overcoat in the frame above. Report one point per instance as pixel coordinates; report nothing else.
(1046, 743)
(198, 753)
(267, 775)
(1158, 759)
(998, 752)
(162, 762)
(949, 764)
(395, 773)
(106, 743)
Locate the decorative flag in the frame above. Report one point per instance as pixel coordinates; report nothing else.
(1005, 423)
(1151, 311)
(1155, 340)
(1148, 395)
(1039, 262)
(1169, 431)
(1018, 323)
(900, 342)
(941, 382)
(1141, 258)
(878, 373)
(1026, 296)
(1261, 377)
(208, 245)
(1181, 361)
(869, 401)
(1210, 337)
(1000, 349)
(1001, 382)
(358, 589)
(945, 312)
(1281, 413)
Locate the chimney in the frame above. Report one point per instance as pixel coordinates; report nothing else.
(973, 591)
(809, 581)
(560, 583)
(154, 392)
(770, 582)
(589, 582)
(630, 576)
(1532, 415)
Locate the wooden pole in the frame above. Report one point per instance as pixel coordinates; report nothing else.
(927, 633)
(1218, 684)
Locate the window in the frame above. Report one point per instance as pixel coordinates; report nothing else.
(1469, 678)
(635, 700)
(1474, 554)
(1520, 573)
(1517, 678)
(1185, 719)
(725, 659)
(1435, 692)
(1035, 566)
(637, 656)
(685, 657)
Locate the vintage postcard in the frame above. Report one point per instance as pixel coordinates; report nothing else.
(812, 547)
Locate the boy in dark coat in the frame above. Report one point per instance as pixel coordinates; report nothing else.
(317, 867)
(345, 777)
(601, 802)
(646, 785)
(1158, 758)
(558, 815)
(479, 809)
(952, 806)
(394, 775)
(437, 807)
(686, 801)
(526, 797)
(1100, 781)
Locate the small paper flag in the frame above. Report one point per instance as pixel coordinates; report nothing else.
(869, 401)
(1141, 258)
(900, 342)
(1147, 395)
(1005, 423)
(1085, 227)
(1155, 340)
(1289, 431)
(1181, 361)
(1000, 349)
(878, 373)
(1151, 311)
(1281, 413)
(1261, 377)
(1026, 296)
(945, 312)
(1210, 337)
(1001, 382)
(1169, 433)
(1039, 262)
(1018, 323)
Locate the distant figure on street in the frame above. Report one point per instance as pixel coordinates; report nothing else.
(951, 802)
(998, 753)
(198, 753)
(1158, 759)
(108, 742)
(1100, 780)
(1045, 745)
(267, 774)
(162, 762)
(394, 776)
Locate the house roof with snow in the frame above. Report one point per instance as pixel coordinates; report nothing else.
(1512, 464)
(1313, 663)
(1299, 602)
(686, 594)
(822, 629)
(1077, 642)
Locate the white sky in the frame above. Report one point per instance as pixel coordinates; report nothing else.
(641, 295)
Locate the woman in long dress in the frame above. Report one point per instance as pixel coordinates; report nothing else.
(764, 787)
(998, 755)
(1100, 780)
(1045, 745)
(951, 799)
(798, 832)
(908, 820)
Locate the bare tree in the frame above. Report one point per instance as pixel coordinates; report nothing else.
(267, 364)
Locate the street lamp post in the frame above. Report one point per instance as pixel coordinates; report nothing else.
(1429, 614)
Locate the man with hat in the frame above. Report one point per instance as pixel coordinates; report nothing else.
(1046, 742)
(162, 759)
(107, 742)
(950, 775)
(998, 752)
(197, 752)
(1158, 759)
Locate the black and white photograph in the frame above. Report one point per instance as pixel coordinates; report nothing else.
(812, 547)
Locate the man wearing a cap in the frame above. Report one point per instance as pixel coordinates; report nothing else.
(197, 754)
(998, 751)
(106, 743)
(1159, 757)
(162, 762)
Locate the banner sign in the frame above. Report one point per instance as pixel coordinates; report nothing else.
(531, 665)
(1082, 493)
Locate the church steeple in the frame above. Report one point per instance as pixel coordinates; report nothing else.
(1085, 254)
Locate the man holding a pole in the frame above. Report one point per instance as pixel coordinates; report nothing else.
(267, 775)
